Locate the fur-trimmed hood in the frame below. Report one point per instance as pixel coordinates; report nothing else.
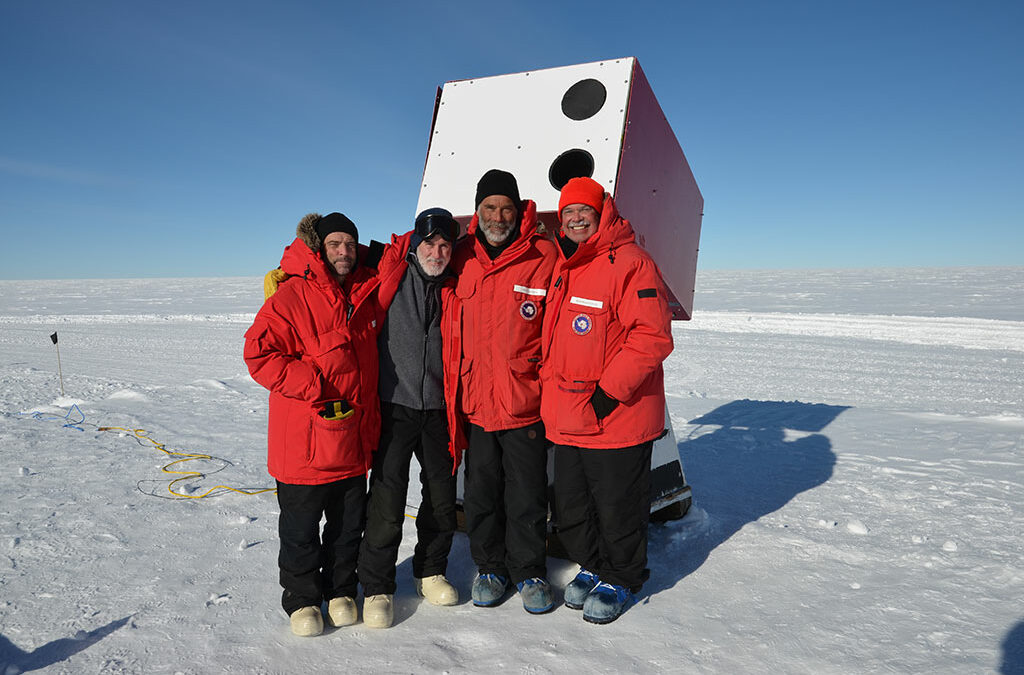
(302, 257)
(306, 231)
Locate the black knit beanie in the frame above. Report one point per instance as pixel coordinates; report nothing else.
(497, 182)
(336, 222)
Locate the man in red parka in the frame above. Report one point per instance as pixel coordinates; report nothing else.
(607, 331)
(504, 268)
(314, 346)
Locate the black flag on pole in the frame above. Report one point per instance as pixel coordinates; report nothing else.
(59, 370)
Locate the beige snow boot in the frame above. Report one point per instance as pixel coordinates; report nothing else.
(437, 590)
(307, 621)
(378, 611)
(342, 612)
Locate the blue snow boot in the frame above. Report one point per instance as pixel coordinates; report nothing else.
(606, 603)
(578, 589)
(536, 595)
(489, 589)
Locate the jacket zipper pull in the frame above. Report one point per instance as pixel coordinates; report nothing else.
(348, 312)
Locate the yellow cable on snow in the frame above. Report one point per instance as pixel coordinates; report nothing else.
(143, 435)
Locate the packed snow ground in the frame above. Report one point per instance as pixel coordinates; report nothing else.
(854, 440)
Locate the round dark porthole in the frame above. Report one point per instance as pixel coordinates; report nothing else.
(583, 99)
(570, 164)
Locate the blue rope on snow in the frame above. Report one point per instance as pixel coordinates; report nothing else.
(71, 424)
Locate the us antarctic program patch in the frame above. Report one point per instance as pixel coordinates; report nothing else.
(528, 310)
(582, 324)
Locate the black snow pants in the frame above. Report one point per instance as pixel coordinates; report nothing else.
(314, 568)
(408, 432)
(602, 505)
(506, 501)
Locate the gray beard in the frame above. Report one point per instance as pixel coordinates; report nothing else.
(488, 236)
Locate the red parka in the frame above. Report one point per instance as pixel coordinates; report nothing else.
(393, 265)
(503, 304)
(608, 324)
(314, 341)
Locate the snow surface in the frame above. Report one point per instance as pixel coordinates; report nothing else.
(853, 439)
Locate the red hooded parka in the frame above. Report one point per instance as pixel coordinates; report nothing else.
(608, 324)
(501, 316)
(315, 341)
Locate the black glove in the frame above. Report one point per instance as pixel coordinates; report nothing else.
(602, 403)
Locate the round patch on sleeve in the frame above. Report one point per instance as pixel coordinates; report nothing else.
(582, 324)
(528, 310)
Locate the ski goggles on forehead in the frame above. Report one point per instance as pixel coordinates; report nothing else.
(437, 221)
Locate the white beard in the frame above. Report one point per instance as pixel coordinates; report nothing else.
(431, 266)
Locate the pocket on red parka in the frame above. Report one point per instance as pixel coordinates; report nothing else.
(523, 396)
(334, 444)
(575, 415)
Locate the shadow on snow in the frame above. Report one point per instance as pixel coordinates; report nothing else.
(744, 470)
(1013, 651)
(13, 659)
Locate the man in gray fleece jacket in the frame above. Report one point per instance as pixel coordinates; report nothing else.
(413, 422)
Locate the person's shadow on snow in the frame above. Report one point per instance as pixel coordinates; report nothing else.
(1013, 651)
(15, 660)
(742, 471)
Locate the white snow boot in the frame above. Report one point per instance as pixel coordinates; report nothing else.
(342, 612)
(379, 611)
(307, 621)
(437, 590)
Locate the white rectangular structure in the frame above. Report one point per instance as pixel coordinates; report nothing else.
(546, 126)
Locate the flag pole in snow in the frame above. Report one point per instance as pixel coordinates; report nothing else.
(59, 370)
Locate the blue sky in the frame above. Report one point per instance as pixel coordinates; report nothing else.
(143, 139)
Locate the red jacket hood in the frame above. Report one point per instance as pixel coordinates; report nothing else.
(302, 256)
(299, 260)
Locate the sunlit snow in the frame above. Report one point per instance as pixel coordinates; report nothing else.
(854, 441)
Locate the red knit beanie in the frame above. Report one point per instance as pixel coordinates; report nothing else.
(581, 190)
